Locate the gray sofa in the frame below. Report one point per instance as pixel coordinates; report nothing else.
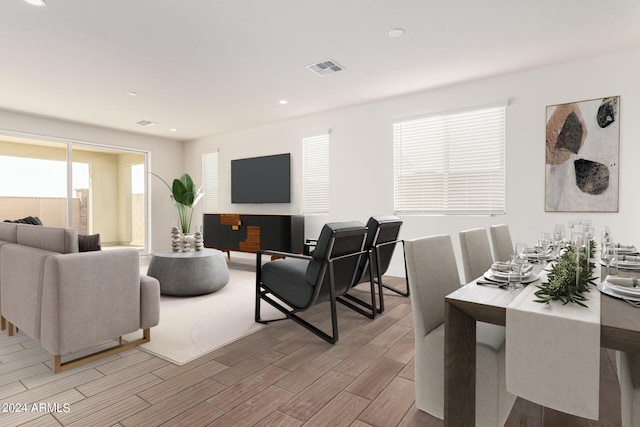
(70, 300)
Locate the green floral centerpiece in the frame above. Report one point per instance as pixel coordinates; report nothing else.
(562, 283)
(185, 195)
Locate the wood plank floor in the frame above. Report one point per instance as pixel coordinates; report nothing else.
(282, 375)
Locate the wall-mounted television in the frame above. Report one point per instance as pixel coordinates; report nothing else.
(265, 179)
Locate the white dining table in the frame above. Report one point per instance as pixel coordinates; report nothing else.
(619, 330)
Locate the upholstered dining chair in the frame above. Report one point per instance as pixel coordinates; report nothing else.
(298, 282)
(381, 241)
(476, 253)
(628, 370)
(501, 242)
(433, 274)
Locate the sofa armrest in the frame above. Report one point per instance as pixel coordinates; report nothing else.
(149, 302)
(88, 298)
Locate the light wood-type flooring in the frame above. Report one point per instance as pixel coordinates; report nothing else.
(282, 375)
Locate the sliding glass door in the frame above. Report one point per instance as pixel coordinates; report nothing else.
(96, 190)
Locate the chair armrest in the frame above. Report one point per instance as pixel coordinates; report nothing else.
(149, 302)
(283, 254)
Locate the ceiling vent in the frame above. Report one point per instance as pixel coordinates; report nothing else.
(323, 68)
(146, 123)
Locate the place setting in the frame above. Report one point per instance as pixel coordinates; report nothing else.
(516, 273)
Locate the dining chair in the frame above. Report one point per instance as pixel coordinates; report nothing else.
(628, 370)
(476, 253)
(502, 245)
(433, 274)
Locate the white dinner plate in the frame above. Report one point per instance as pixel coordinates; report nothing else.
(534, 257)
(631, 265)
(627, 251)
(606, 288)
(511, 277)
(624, 290)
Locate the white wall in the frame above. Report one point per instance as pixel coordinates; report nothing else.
(362, 152)
(165, 159)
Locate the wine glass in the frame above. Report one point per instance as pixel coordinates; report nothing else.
(543, 247)
(520, 258)
(558, 235)
(609, 256)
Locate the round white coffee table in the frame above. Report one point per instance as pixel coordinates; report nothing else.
(189, 273)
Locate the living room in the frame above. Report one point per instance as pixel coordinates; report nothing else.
(362, 144)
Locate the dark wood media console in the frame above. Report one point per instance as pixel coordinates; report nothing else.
(250, 233)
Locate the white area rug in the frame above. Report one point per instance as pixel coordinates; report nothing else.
(193, 326)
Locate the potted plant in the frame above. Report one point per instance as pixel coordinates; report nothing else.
(185, 196)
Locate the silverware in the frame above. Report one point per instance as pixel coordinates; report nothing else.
(492, 283)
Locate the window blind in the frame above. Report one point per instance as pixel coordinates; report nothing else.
(210, 182)
(315, 185)
(451, 164)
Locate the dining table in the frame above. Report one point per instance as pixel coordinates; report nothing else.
(471, 303)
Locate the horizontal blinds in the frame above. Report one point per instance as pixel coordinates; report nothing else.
(451, 164)
(315, 187)
(210, 182)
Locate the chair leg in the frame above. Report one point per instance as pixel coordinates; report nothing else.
(398, 291)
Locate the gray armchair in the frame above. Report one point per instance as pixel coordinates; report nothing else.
(298, 282)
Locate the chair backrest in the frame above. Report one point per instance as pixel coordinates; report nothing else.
(501, 242)
(382, 237)
(432, 273)
(476, 253)
(337, 241)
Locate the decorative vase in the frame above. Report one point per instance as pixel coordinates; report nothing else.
(198, 242)
(176, 244)
(186, 242)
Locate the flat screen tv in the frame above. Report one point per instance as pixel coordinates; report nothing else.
(265, 179)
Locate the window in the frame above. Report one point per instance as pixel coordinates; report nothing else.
(451, 164)
(210, 182)
(315, 171)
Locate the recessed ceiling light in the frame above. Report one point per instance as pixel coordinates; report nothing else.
(283, 102)
(396, 32)
(131, 93)
(36, 2)
(173, 130)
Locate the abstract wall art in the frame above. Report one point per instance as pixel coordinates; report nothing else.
(582, 156)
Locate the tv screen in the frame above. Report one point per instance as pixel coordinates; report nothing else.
(264, 179)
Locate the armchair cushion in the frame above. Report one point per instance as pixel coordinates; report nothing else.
(287, 277)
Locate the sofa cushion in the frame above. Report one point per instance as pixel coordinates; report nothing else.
(88, 243)
(55, 239)
(8, 232)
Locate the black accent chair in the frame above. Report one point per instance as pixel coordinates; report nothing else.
(382, 237)
(302, 281)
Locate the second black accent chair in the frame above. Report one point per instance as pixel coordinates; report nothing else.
(298, 282)
(382, 237)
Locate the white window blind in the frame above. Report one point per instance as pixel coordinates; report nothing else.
(315, 185)
(210, 182)
(451, 164)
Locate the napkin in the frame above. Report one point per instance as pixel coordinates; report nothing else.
(630, 258)
(629, 282)
(621, 246)
(505, 267)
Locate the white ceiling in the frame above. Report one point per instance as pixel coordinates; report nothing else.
(211, 66)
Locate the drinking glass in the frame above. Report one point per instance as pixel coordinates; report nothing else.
(543, 247)
(520, 258)
(609, 256)
(558, 235)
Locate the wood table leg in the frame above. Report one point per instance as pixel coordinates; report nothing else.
(459, 368)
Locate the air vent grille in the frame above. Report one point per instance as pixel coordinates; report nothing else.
(323, 68)
(146, 123)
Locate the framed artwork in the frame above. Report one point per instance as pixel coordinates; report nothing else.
(582, 156)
